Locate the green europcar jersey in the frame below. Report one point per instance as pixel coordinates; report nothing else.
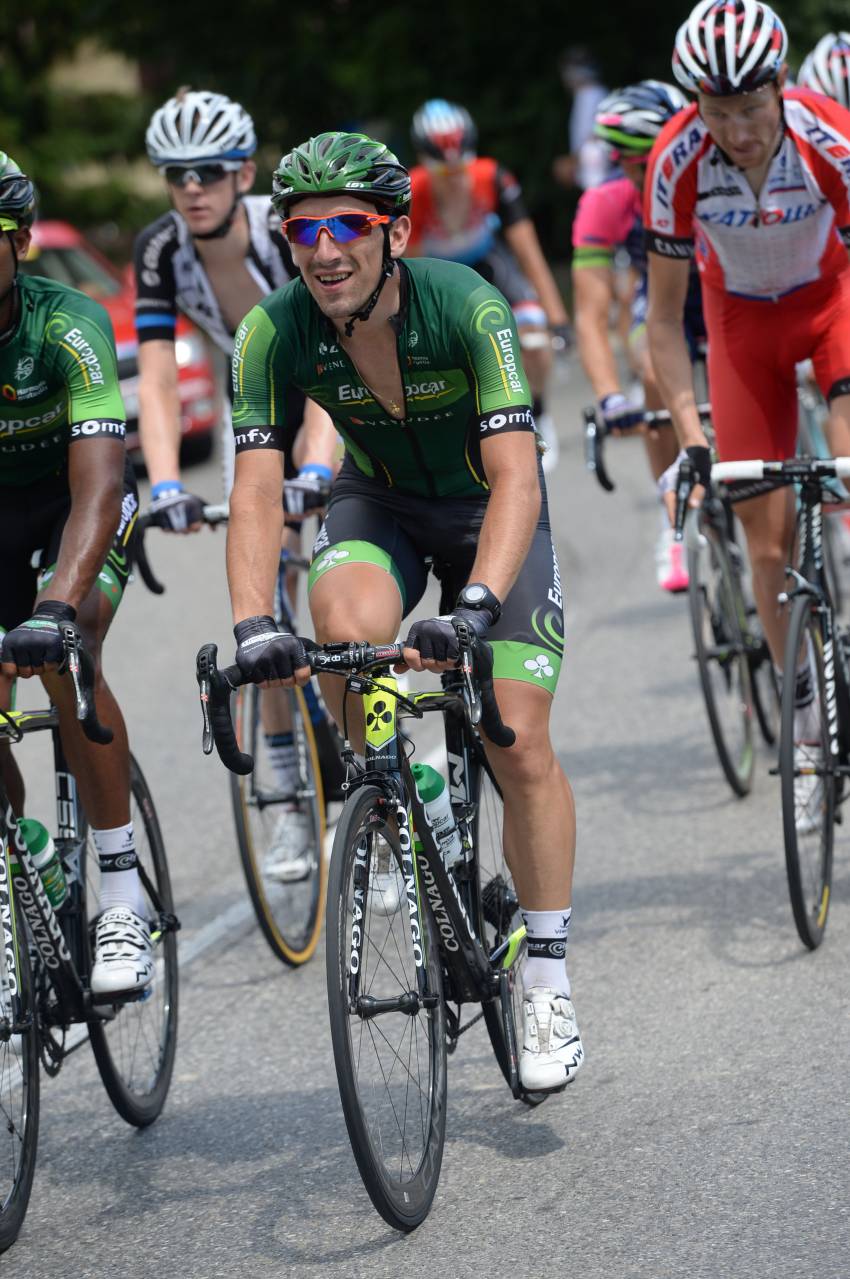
(463, 379)
(58, 380)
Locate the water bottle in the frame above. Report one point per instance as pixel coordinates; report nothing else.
(431, 789)
(45, 858)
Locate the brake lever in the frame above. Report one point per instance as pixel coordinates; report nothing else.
(72, 658)
(471, 696)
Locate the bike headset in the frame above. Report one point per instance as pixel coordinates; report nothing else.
(346, 163)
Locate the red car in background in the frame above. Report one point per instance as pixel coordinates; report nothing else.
(62, 253)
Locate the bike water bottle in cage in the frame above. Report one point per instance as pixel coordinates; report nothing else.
(431, 789)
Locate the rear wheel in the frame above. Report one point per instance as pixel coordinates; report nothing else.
(808, 783)
(718, 621)
(272, 825)
(391, 1067)
(18, 1082)
(134, 1045)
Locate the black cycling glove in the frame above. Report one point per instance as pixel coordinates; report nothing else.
(436, 637)
(174, 509)
(38, 642)
(308, 491)
(699, 456)
(265, 652)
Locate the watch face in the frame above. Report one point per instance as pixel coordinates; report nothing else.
(474, 594)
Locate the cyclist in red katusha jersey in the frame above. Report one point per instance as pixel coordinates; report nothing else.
(468, 208)
(755, 180)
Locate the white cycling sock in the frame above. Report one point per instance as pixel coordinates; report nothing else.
(545, 961)
(119, 876)
(283, 757)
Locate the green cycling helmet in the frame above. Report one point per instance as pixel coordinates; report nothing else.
(17, 196)
(342, 163)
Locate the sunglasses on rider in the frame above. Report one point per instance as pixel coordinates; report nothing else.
(342, 227)
(206, 175)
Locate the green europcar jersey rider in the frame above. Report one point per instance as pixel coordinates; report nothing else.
(462, 384)
(462, 381)
(418, 364)
(58, 380)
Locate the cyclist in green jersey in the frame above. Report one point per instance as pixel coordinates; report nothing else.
(418, 364)
(67, 499)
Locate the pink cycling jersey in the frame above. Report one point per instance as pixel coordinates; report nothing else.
(607, 216)
(760, 246)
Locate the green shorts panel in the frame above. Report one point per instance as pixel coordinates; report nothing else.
(354, 552)
(530, 663)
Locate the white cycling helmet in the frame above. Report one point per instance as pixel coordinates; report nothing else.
(198, 128)
(827, 68)
(729, 46)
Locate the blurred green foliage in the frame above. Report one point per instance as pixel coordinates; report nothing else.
(302, 68)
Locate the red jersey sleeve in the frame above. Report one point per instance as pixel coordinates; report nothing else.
(821, 132)
(670, 188)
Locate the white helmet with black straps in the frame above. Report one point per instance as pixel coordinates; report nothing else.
(198, 128)
(728, 47)
(827, 68)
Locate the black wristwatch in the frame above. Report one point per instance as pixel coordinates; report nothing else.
(478, 596)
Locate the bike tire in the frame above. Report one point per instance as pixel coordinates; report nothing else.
(135, 1050)
(379, 1111)
(497, 911)
(289, 914)
(19, 1097)
(808, 855)
(834, 562)
(717, 609)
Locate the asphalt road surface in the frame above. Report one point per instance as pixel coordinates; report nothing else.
(707, 1134)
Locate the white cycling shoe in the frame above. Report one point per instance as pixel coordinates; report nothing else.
(808, 788)
(289, 858)
(552, 1052)
(123, 957)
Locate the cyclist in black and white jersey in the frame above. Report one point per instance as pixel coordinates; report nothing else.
(213, 256)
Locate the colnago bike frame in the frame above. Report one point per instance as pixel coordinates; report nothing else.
(471, 975)
(56, 940)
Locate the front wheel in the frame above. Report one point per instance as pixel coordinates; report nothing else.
(808, 782)
(18, 1081)
(391, 1067)
(134, 1045)
(281, 832)
(718, 621)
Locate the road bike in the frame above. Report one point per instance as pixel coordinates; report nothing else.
(47, 1009)
(817, 639)
(289, 912)
(736, 675)
(402, 966)
(736, 672)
